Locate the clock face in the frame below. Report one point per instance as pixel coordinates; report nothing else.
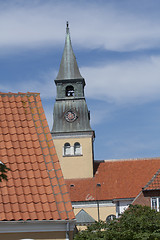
(70, 116)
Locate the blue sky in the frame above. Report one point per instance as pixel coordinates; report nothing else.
(117, 46)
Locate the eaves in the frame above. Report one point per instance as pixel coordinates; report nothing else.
(36, 226)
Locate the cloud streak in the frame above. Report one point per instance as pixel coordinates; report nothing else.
(133, 81)
(123, 82)
(93, 25)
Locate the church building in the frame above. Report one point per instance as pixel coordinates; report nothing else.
(98, 189)
(72, 133)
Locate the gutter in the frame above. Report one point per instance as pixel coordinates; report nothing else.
(122, 199)
(37, 226)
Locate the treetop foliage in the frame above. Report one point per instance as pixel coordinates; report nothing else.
(136, 223)
(3, 171)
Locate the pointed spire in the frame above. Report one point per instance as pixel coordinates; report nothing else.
(68, 67)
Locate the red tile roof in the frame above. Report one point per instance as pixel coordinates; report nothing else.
(154, 183)
(117, 179)
(35, 189)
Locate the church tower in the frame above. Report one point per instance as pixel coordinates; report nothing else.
(71, 132)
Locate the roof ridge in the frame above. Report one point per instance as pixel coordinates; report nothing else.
(151, 181)
(130, 159)
(19, 94)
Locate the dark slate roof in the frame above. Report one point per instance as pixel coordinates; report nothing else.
(68, 67)
(84, 218)
(154, 183)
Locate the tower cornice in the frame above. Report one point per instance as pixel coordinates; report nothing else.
(77, 80)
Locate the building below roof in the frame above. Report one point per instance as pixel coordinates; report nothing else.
(116, 183)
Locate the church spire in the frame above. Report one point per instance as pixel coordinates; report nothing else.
(68, 67)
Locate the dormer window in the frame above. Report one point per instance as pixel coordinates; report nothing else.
(69, 91)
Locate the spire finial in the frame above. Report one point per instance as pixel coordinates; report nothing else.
(67, 27)
(67, 23)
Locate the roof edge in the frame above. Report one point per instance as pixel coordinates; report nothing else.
(36, 225)
(131, 159)
(19, 93)
(151, 181)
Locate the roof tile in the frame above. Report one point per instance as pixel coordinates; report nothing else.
(33, 215)
(9, 216)
(50, 198)
(63, 215)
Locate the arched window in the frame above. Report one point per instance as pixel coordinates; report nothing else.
(77, 149)
(67, 149)
(110, 218)
(69, 91)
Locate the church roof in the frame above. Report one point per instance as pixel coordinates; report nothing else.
(114, 180)
(154, 183)
(35, 189)
(68, 67)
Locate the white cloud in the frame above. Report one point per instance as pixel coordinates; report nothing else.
(93, 25)
(134, 81)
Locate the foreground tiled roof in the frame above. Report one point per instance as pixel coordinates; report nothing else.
(154, 183)
(35, 189)
(114, 180)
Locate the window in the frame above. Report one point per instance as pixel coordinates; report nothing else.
(155, 203)
(77, 149)
(67, 149)
(69, 91)
(110, 218)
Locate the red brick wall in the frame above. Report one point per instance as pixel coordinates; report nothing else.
(144, 197)
(142, 200)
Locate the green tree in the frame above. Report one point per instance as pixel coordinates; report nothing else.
(136, 223)
(3, 171)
